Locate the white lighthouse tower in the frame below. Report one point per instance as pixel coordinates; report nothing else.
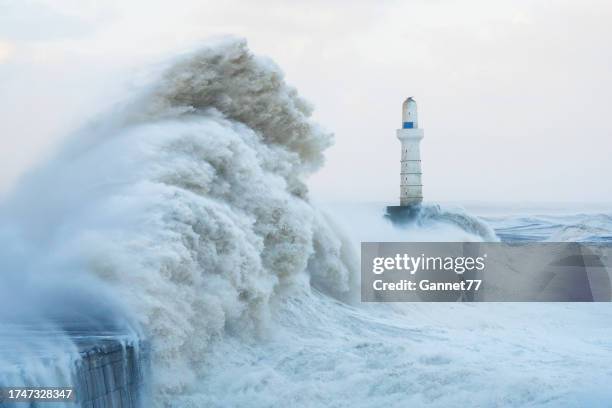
(411, 186)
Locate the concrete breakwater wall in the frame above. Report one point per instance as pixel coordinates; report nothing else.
(104, 370)
(113, 375)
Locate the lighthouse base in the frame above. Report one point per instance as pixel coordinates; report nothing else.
(402, 214)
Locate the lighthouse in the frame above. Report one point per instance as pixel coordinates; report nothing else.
(410, 135)
(411, 185)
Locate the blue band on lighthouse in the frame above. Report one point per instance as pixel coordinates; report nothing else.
(408, 125)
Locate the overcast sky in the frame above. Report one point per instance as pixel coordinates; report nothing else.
(514, 96)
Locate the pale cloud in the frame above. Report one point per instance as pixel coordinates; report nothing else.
(5, 50)
(31, 20)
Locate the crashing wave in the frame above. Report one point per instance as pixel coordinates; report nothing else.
(433, 213)
(191, 206)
